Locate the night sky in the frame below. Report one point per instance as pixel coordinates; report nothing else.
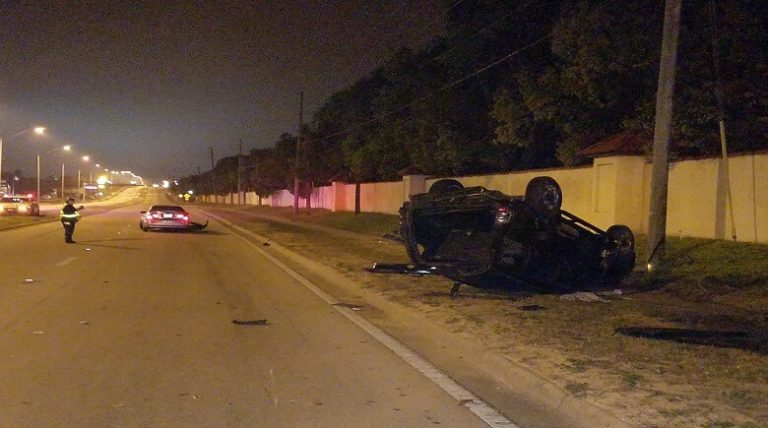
(148, 86)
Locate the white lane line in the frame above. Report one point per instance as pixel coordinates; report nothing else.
(488, 414)
(66, 261)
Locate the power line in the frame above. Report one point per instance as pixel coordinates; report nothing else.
(484, 28)
(434, 93)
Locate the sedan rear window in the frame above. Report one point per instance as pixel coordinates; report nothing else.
(166, 208)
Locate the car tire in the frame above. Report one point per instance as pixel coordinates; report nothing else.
(543, 194)
(144, 228)
(619, 250)
(445, 185)
(35, 210)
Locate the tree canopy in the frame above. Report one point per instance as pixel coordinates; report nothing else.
(521, 84)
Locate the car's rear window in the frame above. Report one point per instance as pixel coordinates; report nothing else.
(166, 208)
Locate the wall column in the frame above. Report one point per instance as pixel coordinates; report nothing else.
(413, 184)
(338, 196)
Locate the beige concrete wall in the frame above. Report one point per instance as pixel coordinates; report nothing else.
(692, 198)
(749, 187)
(614, 190)
(381, 197)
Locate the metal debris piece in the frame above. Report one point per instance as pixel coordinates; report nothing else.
(38, 332)
(196, 227)
(531, 308)
(584, 296)
(87, 249)
(393, 238)
(84, 323)
(615, 292)
(402, 268)
(29, 281)
(348, 305)
(250, 322)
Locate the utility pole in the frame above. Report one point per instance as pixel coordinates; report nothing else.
(298, 156)
(239, 156)
(657, 222)
(213, 173)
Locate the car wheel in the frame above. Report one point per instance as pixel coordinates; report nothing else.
(144, 228)
(619, 250)
(445, 185)
(35, 210)
(544, 195)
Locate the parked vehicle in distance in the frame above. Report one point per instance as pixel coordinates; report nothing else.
(486, 238)
(19, 204)
(168, 217)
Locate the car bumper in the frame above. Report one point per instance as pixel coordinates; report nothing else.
(166, 225)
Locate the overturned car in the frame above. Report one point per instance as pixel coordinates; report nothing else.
(486, 238)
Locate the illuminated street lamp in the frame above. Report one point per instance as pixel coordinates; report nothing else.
(39, 130)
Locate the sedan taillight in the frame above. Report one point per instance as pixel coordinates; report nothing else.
(503, 215)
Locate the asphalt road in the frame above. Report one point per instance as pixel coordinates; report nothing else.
(128, 328)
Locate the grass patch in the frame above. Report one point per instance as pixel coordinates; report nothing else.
(578, 365)
(632, 379)
(366, 223)
(577, 389)
(709, 263)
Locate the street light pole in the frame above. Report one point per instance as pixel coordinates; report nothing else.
(62, 178)
(38, 178)
(39, 130)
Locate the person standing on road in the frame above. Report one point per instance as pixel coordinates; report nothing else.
(69, 216)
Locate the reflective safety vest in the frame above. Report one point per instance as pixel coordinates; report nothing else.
(73, 216)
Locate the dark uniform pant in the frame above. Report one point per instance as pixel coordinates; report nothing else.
(69, 229)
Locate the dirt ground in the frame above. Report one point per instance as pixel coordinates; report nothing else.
(670, 353)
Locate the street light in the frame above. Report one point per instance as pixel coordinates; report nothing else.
(39, 130)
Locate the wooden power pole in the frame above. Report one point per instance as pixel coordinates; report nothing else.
(657, 222)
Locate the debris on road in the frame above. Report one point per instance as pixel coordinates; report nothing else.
(250, 322)
(28, 281)
(352, 306)
(531, 308)
(38, 332)
(615, 292)
(196, 227)
(87, 249)
(84, 323)
(266, 244)
(584, 296)
(402, 268)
